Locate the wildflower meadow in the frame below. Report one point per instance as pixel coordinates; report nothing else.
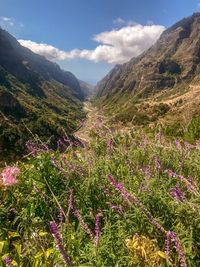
(130, 199)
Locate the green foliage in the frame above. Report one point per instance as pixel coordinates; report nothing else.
(44, 187)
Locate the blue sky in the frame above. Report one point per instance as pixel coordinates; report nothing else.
(88, 37)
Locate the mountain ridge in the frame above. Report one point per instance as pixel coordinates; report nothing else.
(170, 66)
(35, 93)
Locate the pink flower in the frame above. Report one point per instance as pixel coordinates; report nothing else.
(8, 175)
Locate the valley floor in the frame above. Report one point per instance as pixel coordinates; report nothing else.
(93, 117)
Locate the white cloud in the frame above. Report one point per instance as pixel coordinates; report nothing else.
(119, 21)
(7, 21)
(49, 51)
(115, 46)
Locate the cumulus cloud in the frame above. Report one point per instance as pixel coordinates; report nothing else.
(49, 51)
(115, 46)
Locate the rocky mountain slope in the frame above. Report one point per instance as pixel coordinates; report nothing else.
(159, 84)
(86, 88)
(35, 96)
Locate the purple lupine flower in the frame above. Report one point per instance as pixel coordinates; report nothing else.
(187, 146)
(157, 164)
(144, 143)
(70, 204)
(116, 208)
(127, 197)
(71, 199)
(158, 137)
(198, 144)
(178, 144)
(60, 216)
(8, 261)
(35, 149)
(109, 146)
(170, 173)
(177, 194)
(147, 171)
(132, 169)
(58, 166)
(71, 167)
(167, 244)
(58, 241)
(191, 180)
(97, 228)
(83, 225)
(171, 237)
(190, 187)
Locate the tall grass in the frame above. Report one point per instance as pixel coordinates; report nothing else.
(121, 200)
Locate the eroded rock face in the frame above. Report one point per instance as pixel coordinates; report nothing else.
(174, 58)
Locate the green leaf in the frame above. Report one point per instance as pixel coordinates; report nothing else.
(49, 252)
(162, 254)
(1, 246)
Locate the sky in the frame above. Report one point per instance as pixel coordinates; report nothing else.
(88, 37)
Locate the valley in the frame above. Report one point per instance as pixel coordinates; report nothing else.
(105, 175)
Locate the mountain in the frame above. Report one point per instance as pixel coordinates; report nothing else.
(161, 85)
(35, 96)
(86, 88)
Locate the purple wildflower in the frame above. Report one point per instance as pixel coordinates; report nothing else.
(178, 144)
(58, 241)
(127, 197)
(71, 199)
(177, 194)
(58, 166)
(97, 229)
(170, 173)
(116, 208)
(158, 137)
(60, 216)
(147, 171)
(171, 237)
(83, 225)
(132, 169)
(189, 183)
(71, 167)
(8, 261)
(109, 146)
(157, 164)
(70, 204)
(190, 187)
(167, 245)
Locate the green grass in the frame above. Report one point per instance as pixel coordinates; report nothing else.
(42, 188)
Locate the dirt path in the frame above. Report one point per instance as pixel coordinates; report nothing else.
(93, 117)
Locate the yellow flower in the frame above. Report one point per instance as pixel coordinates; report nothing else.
(144, 251)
